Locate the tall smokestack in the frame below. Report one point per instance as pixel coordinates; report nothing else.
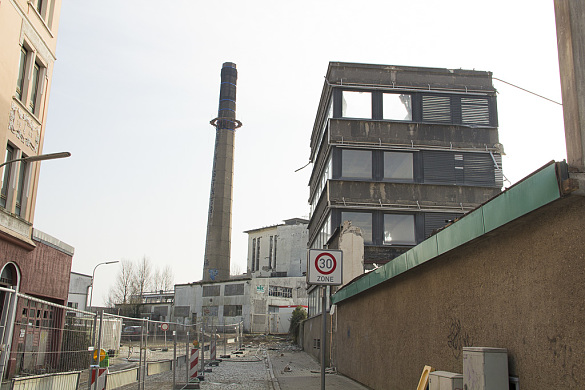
(216, 265)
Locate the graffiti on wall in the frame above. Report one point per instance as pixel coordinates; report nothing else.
(458, 338)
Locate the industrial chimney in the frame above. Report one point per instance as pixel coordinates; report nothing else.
(216, 265)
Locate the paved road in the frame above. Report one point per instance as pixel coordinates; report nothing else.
(266, 364)
(295, 369)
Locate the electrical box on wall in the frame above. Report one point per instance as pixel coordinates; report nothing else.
(485, 368)
(443, 380)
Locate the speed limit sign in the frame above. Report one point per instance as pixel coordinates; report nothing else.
(325, 267)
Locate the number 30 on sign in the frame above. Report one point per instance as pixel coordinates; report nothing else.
(325, 267)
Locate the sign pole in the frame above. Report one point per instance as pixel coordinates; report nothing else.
(323, 333)
(325, 268)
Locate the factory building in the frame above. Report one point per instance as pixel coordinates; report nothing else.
(264, 297)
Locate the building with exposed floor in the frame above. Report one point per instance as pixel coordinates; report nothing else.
(399, 152)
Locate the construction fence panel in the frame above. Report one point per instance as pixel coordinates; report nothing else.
(49, 338)
(61, 381)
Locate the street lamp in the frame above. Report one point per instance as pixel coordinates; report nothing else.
(93, 275)
(40, 157)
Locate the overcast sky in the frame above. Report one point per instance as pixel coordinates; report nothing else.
(137, 82)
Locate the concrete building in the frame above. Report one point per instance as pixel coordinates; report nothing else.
(31, 261)
(78, 290)
(279, 250)
(399, 152)
(264, 298)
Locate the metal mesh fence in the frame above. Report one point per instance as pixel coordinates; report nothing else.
(41, 337)
(44, 342)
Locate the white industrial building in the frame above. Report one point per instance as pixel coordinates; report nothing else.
(263, 298)
(78, 288)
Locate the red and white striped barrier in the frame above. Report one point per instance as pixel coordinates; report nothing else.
(213, 354)
(193, 363)
(102, 374)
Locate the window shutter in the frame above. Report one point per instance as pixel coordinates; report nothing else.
(438, 167)
(436, 108)
(475, 111)
(479, 169)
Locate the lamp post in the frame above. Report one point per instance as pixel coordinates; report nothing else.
(93, 275)
(40, 157)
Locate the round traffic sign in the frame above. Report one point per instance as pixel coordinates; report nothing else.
(325, 263)
(164, 327)
(102, 354)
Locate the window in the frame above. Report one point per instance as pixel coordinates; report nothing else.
(45, 9)
(32, 103)
(270, 252)
(211, 291)
(475, 111)
(397, 107)
(361, 220)
(399, 229)
(6, 178)
(29, 84)
(232, 310)
(277, 291)
(321, 183)
(436, 108)
(398, 166)
(275, 240)
(210, 311)
(233, 289)
(356, 104)
(356, 164)
(21, 73)
(258, 253)
(323, 234)
(253, 254)
(474, 169)
(21, 189)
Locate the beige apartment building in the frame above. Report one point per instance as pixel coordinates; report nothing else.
(28, 38)
(31, 262)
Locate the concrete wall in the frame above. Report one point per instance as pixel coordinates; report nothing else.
(311, 332)
(255, 302)
(519, 287)
(78, 287)
(291, 249)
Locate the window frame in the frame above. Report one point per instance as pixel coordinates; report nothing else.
(399, 242)
(453, 107)
(31, 79)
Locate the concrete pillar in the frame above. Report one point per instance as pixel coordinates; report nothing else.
(570, 22)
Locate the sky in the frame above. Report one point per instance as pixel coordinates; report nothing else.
(137, 82)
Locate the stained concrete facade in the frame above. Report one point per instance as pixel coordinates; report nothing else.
(263, 304)
(265, 296)
(399, 151)
(278, 250)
